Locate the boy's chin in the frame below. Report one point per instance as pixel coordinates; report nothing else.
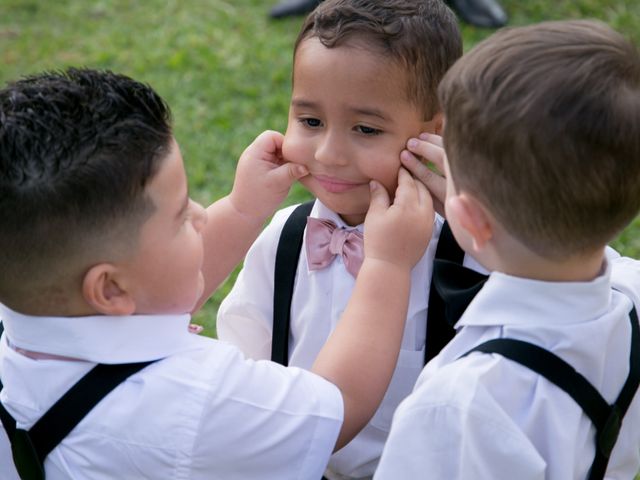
(353, 219)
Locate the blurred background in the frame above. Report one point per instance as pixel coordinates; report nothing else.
(224, 67)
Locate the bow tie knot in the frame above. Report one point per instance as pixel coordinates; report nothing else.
(338, 239)
(325, 240)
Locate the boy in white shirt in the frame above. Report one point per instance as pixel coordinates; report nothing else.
(101, 252)
(365, 76)
(543, 169)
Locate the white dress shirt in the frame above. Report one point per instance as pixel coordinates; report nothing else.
(201, 412)
(245, 318)
(486, 417)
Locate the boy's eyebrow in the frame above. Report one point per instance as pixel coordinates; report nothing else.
(303, 103)
(366, 111)
(370, 112)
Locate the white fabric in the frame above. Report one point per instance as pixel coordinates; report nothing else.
(202, 412)
(486, 417)
(245, 318)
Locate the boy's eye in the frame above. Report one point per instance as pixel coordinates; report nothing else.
(368, 130)
(311, 122)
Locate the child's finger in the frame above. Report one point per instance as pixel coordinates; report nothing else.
(415, 164)
(196, 329)
(430, 151)
(270, 143)
(406, 193)
(379, 197)
(423, 192)
(436, 184)
(288, 173)
(432, 138)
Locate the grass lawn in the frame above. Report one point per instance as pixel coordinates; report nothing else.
(223, 66)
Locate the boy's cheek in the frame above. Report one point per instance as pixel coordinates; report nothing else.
(391, 188)
(293, 150)
(390, 177)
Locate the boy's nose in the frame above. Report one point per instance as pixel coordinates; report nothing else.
(331, 150)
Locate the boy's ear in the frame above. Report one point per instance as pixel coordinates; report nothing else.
(472, 217)
(102, 290)
(435, 125)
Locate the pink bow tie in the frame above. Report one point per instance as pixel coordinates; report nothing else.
(324, 240)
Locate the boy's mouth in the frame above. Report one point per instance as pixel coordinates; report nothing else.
(336, 185)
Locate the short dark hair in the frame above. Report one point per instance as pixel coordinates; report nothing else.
(76, 151)
(421, 35)
(542, 124)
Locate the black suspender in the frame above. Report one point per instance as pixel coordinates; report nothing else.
(287, 257)
(606, 418)
(30, 448)
(439, 332)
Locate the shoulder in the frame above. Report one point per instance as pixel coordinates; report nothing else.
(268, 413)
(219, 381)
(213, 410)
(463, 384)
(268, 421)
(453, 425)
(471, 392)
(234, 379)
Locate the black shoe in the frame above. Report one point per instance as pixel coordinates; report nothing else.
(288, 8)
(481, 13)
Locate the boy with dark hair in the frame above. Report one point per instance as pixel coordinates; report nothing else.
(365, 76)
(543, 168)
(101, 253)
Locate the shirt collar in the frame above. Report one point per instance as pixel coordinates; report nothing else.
(101, 338)
(320, 210)
(508, 300)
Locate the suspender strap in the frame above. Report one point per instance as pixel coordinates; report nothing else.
(606, 418)
(608, 434)
(31, 448)
(439, 332)
(287, 256)
(74, 405)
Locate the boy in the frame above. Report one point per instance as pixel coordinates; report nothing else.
(364, 81)
(101, 254)
(543, 144)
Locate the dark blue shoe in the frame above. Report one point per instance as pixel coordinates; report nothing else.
(289, 8)
(481, 13)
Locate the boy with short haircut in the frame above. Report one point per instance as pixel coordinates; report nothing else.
(365, 76)
(543, 144)
(101, 252)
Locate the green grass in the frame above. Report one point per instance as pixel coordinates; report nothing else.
(223, 66)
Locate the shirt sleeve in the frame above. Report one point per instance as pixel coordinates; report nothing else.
(245, 316)
(267, 421)
(456, 436)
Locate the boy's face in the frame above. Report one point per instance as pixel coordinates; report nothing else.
(349, 119)
(164, 275)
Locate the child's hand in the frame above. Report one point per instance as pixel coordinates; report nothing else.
(263, 178)
(427, 148)
(399, 233)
